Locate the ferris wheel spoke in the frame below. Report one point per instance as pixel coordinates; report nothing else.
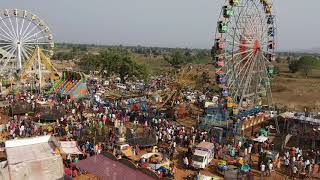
(245, 89)
(14, 32)
(34, 35)
(264, 73)
(6, 46)
(234, 38)
(36, 39)
(9, 30)
(30, 50)
(242, 74)
(3, 58)
(237, 75)
(27, 34)
(243, 59)
(39, 43)
(265, 36)
(233, 69)
(251, 30)
(11, 53)
(31, 45)
(25, 30)
(17, 28)
(252, 21)
(5, 38)
(26, 53)
(232, 56)
(238, 63)
(5, 34)
(22, 25)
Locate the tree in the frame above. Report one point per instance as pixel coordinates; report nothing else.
(89, 63)
(306, 64)
(293, 66)
(176, 58)
(115, 62)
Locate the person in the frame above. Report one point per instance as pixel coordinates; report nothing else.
(294, 171)
(186, 162)
(286, 162)
(174, 169)
(270, 168)
(262, 169)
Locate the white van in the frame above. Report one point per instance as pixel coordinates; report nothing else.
(203, 155)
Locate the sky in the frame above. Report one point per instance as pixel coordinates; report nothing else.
(163, 23)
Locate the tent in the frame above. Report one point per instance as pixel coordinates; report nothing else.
(34, 158)
(260, 139)
(69, 147)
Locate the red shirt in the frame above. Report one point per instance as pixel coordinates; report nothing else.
(67, 171)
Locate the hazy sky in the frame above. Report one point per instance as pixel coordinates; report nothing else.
(169, 23)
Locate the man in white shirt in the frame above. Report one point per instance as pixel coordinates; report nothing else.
(250, 148)
(262, 169)
(294, 171)
(270, 168)
(186, 162)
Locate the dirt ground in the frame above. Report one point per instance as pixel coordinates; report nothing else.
(296, 92)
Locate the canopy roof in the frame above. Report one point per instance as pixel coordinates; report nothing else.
(105, 168)
(34, 158)
(69, 147)
(260, 139)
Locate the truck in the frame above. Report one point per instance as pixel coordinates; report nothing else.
(202, 155)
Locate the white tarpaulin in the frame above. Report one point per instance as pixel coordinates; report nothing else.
(69, 147)
(260, 139)
(287, 115)
(34, 158)
(209, 104)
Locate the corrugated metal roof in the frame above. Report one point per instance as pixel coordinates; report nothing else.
(106, 168)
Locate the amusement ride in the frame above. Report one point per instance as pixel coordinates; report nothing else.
(243, 53)
(26, 45)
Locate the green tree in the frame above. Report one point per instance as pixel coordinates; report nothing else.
(89, 63)
(178, 58)
(115, 62)
(306, 64)
(293, 66)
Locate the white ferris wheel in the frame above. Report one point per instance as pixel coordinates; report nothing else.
(21, 33)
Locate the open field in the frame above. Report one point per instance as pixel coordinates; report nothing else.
(296, 92)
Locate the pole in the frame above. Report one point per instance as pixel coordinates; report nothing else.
(19, 56)
(39, 64)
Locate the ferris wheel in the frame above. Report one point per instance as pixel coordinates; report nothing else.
(21, 33)
(243, 53)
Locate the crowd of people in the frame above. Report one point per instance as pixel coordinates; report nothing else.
(92, 121)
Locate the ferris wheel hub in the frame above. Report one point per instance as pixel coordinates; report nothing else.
(256, 47)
